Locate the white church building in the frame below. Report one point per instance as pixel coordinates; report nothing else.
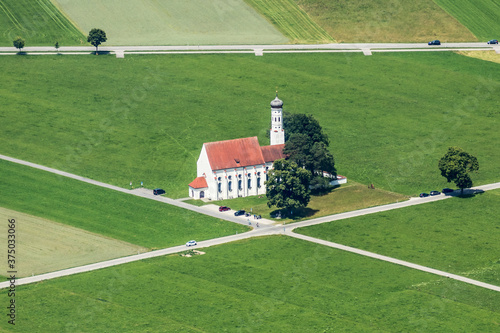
(238, 168)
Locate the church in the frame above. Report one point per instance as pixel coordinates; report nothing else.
(238, 168)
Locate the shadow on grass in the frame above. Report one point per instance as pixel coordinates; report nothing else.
(319, 192)
(101, 52)
(297, 214)
(468, 193)
(22, 53)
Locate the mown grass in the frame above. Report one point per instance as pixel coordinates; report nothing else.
(152, 22)
(113, 214)
(482, 17)
(390, 117)
(458, 235)
(271, 284)
(292, 21)
(385, 21)
(38, 23)
(45, 246)
(348, 197)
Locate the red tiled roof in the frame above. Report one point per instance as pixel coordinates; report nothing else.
(199, 182)
(273, 153)
(234, 153)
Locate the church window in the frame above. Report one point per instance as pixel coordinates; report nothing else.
(249, 183)
(258, 182)
(220, 187)
(230, 185)
(240, 185)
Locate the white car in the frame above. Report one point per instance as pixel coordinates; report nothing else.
(191, 243)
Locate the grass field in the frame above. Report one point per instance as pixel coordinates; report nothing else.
(292, 21)
(106, 212)
(482, 17)
(37, 22)
(273, 284)
(385, 21)
(483, 55)
(458, 235)
(390, 117)
(189, 22)
(348, 197)
(45, 246)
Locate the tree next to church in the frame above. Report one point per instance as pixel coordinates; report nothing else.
(288, 186)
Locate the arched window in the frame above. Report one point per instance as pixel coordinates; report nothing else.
(202, 194)
(220, 187)
(258, 182)
(249, 183)
(230, 185)
(240, 185)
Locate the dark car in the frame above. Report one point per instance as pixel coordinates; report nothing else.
(158, 191)
(224, 209)
(435, 193)
(423, 195)
(434, 42)
(493, 41)
(239, 212)
(447, 190)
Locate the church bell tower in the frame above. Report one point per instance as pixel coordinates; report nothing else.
(277, 134)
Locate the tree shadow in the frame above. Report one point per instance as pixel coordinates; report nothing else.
(22, 53)
(101, 52)
(319, 192)
(468, 193)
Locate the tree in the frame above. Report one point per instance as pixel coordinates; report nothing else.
(96, 37)
(455, 166)
(304, 124)
(18, 43)
(288, 186)
(307, 145)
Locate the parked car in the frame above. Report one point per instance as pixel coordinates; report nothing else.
(434, 42)
(423, 195)
(224, 209)
(435, 193)
(447, 190)
(191, 243)
(493, 41)
(239, 212)
(158, 191)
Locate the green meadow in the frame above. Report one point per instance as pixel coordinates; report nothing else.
(271, 284)
(482, 17)
(458, 235)
(390, 117)
(102, 211)
(161, 22)
(38, 23)
(388, 21)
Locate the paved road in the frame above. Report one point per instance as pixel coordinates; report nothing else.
(366, 48)
(265, 229)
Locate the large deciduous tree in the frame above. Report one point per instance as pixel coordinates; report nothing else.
(307, 145)
(96, 37)
(455, 166)
(288, 186)
(18, 43)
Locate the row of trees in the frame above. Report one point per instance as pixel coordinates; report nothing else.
(96, 37)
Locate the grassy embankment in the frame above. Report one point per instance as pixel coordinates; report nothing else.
(386, 21)
(390, 117)
(276, 284)
(106, 212)
(292, 21)
(458, 235)
(39, 23)
(482, 17)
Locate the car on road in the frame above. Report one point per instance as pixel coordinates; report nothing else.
(434, 42)
(191, 243)
(493, 41)
(423, 195)
(447, 190)
(158, 191)
(239, 212)
(224, 209)
(435, 193)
